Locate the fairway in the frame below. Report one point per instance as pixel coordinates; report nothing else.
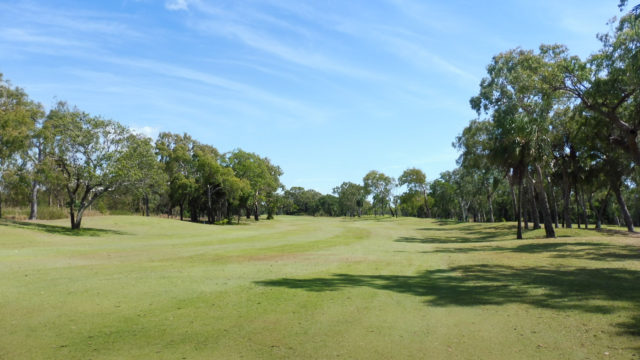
(315, 288)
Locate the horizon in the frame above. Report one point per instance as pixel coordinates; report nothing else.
(326, 92)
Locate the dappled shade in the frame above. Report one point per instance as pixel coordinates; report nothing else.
(570, 289)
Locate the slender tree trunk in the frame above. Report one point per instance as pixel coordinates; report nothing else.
(566, 194)
(513, 199)
(256, 212)
(33, 213)
(146, 204)
(519, 212)
(490, 201)
(426, 203)
(525, 209)
(209, 206)
(0, 206)
(594, 210)
(548, 225)
(181, 211)
(555, 205)
(578, 216)
(623, 209)
(585, 218)
(534, 204)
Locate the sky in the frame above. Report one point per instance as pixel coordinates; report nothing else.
(326, 89)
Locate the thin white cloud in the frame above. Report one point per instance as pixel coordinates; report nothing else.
(302, 111)
(176, 5)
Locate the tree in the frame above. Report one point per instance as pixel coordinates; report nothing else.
(261, 174)
(416, 181)
(380, 186)
(608, 83)
(17, 119)
(92, 154)
(350, 198)
(520, 108)
(152, 180)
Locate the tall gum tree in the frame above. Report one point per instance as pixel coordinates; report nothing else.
(416, 180)
(17, 120)
(520, 110)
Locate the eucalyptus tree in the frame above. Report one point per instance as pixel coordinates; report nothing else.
(416, 181)
(380, 187)
(261, 174)
(520, 109)
(18, 115)
(443, 192)
(350, 198)
(175, 152)
(328, 205)
(92, 154)
(478, 153)
(607, 84)
(153, 181)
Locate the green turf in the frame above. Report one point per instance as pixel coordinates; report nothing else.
(315, 288)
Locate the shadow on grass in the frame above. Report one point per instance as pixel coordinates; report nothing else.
(601, 291)
(59, 230)
(574, 250)
(464, 233)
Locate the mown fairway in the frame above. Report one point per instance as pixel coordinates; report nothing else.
(299, 287)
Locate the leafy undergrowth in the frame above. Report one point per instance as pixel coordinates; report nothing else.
(299, 287)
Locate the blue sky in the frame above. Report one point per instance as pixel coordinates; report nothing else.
(326, 89)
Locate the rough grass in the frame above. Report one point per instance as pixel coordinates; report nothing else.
(298, 287)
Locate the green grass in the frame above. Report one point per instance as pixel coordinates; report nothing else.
(300, 287)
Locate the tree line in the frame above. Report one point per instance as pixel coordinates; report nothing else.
(555, 144)
(77, 161)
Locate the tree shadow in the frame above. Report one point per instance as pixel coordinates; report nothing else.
(582, 250)
(463, 233)
(58, 229)
(601, 291)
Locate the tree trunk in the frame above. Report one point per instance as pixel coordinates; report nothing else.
(78, 221)
(578, 216)
(525, 210)
(0, 206)
(146, 204)
(209, 206)
(548, 225)
(623, 209)
(534, 204)
(585, 218)
(426, 203)
(72, 216)
(519, 211)
(33, 213)
(181, 211)
(490, 200)
(256, 212)
(513, 199)
(566, 194)
(593, 209)
(555, 205)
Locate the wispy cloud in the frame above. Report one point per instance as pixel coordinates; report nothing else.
(217, 22)
(177, 5)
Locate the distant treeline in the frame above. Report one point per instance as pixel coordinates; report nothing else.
(555, 143)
